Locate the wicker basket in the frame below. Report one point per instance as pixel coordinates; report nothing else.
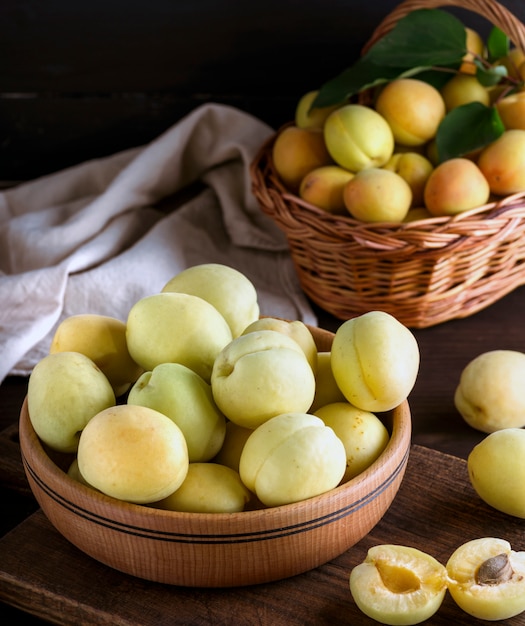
(424, 272)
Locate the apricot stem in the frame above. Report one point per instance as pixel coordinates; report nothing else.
(494, 571)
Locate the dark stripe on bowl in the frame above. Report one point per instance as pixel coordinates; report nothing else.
(224, 538)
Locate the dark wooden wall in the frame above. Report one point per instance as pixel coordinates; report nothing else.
(84, 79)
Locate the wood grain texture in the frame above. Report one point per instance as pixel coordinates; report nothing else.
(436, 510)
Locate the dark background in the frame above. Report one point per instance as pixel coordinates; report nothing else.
(85, 79)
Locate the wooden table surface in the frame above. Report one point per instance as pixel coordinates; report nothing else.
(445, 350)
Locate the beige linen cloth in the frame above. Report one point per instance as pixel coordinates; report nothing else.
(93, 238)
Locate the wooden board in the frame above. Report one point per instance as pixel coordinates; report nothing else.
(435, 510)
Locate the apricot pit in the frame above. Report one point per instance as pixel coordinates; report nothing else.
(487, 579)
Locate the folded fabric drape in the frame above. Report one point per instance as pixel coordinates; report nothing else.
(96, 237)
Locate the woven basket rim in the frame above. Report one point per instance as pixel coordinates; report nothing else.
(492, 10)
(493, 209)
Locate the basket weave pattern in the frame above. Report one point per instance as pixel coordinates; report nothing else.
(424, 272)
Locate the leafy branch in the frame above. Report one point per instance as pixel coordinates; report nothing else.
(430, 44)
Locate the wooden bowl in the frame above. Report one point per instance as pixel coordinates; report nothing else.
(217, 550)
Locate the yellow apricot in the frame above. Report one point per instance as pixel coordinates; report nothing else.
(521, 72)
(415, 169)
(496, 467)
(296, 151)
(326, 389)
(417, 213)
(455, 186)
(431, 152)
(413, 109)
(234, 439)
(363, 434)
(378, 195)
(102, 338)
(489, 395)
(358, 137)
(308, 117)
(323, 187)
(512, 62)
(475, 46)
(495, 92)
(503, 163)
(463, 89)
(511, 110)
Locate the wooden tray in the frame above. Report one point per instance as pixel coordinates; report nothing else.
(435, 510)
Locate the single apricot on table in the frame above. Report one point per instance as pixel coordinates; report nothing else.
(296, 151)
(496, 468)
(489, 395)
(503, 163)
(455, 186)
(413, 109)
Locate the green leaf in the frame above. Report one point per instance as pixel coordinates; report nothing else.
(498, 44)
(437, 77)
(467, 128)
(361, 75)
(425, 37)
(489, 76)
(365, 75)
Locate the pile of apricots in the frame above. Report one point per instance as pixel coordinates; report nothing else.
(378, 162)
